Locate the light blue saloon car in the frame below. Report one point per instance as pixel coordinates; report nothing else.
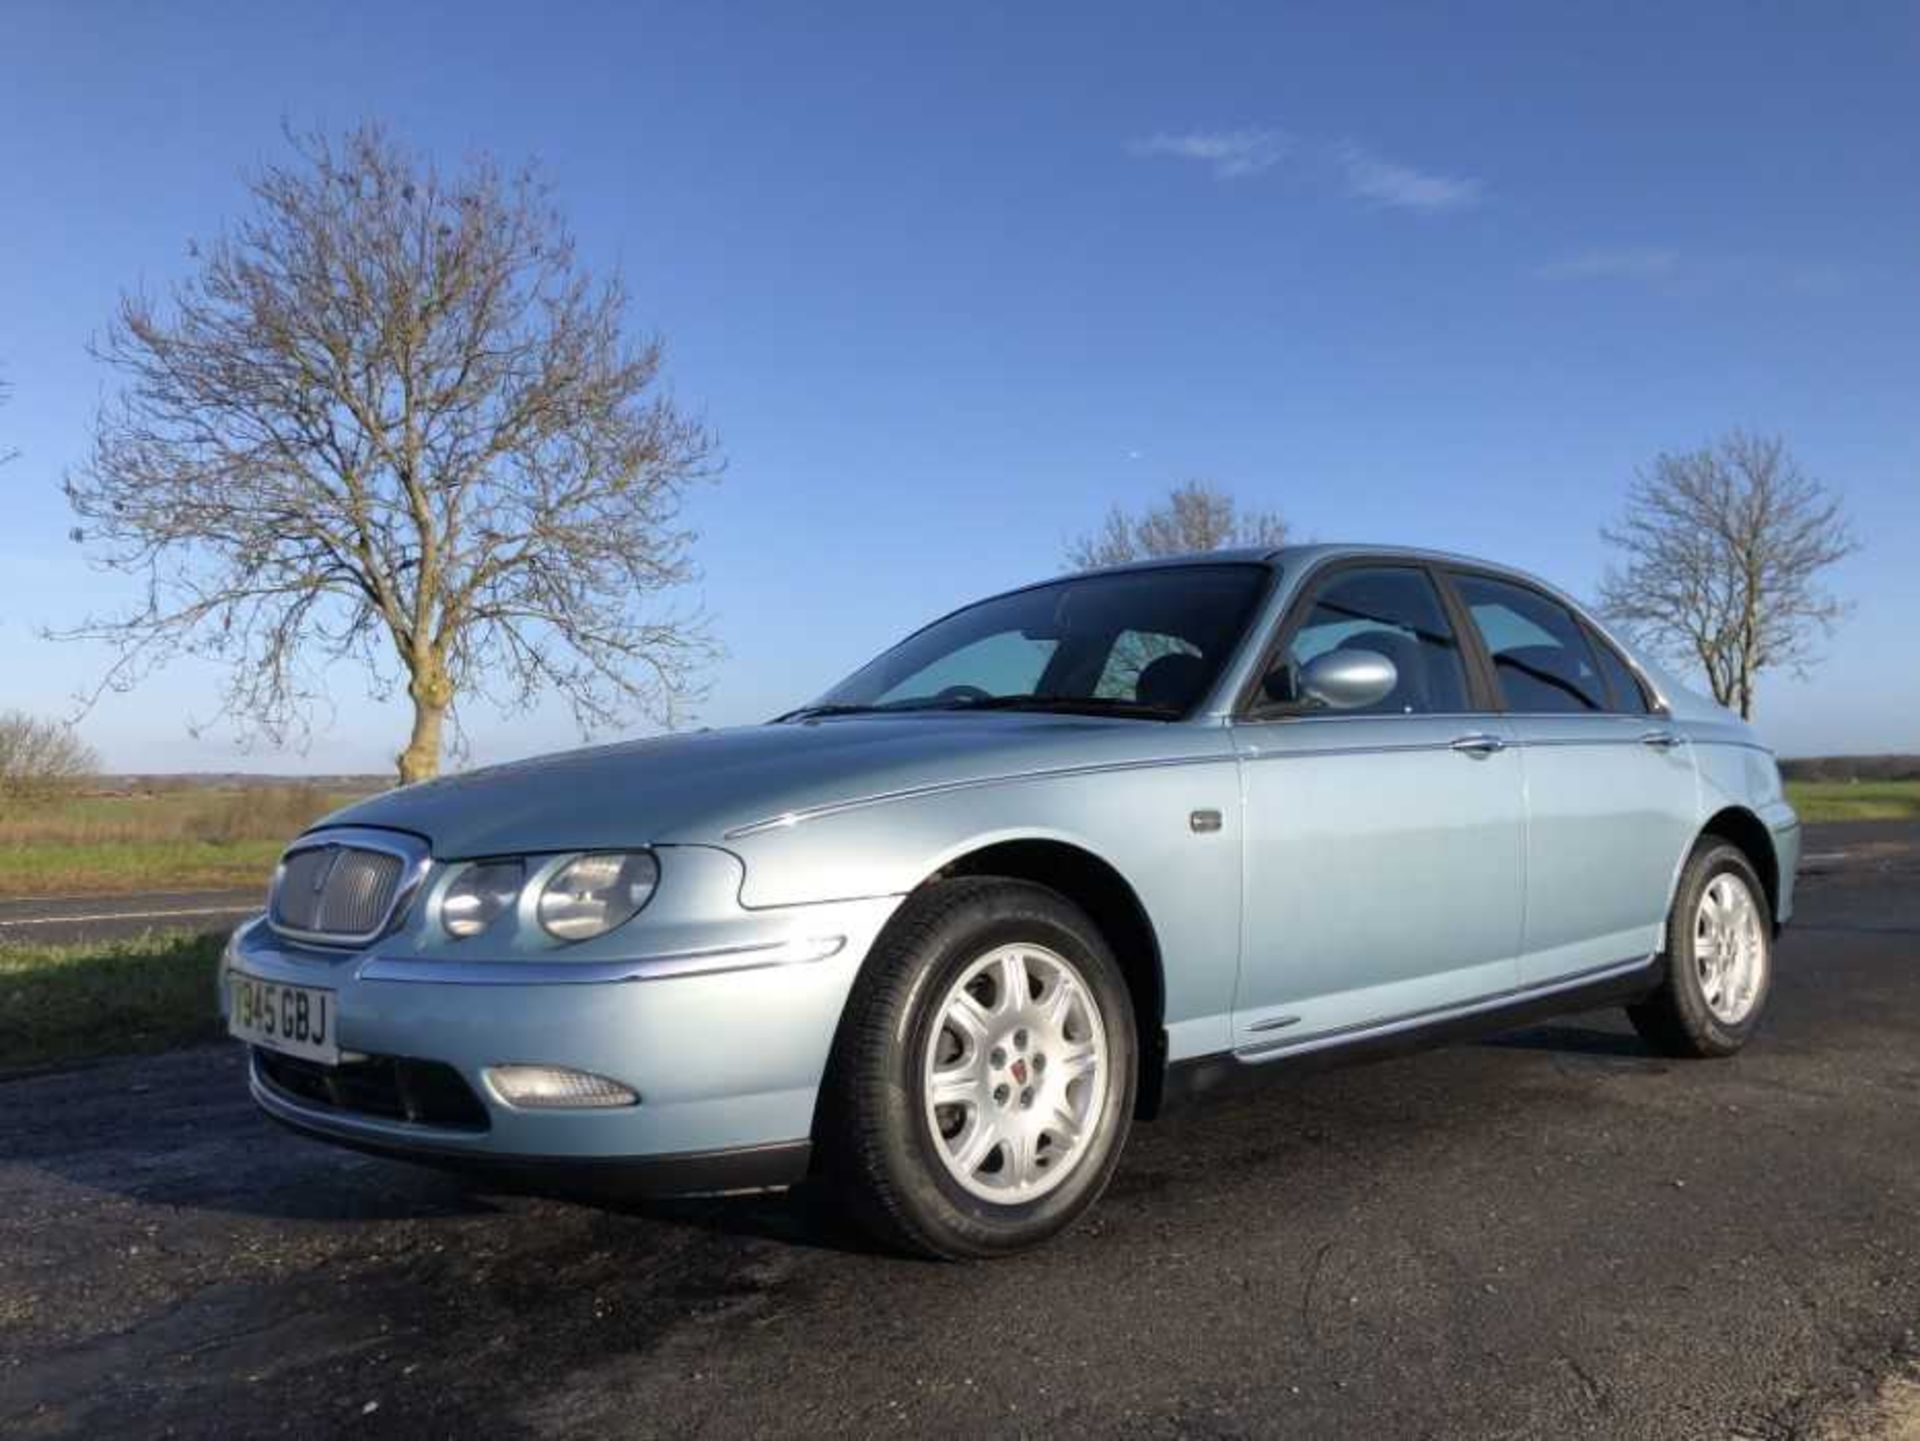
(1048, 866)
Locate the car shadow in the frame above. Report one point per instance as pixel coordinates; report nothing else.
(808, 1216)
(298, 1186)
(1574, 1040)
(212, 1152)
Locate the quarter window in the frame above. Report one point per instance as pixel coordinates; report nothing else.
(1393, 611)
(1621, 681)
(1541, 656)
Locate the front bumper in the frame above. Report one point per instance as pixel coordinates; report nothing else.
(725, 1045)
(683, 1173)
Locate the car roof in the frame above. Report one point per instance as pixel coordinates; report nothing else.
(1294, 557)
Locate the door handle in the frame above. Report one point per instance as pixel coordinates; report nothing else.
(1660, 740)
(1480, 745)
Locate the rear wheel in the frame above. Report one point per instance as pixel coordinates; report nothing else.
(983, 1082)
(1719, 958)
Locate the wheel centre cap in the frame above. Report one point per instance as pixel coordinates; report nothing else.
(1019, 1069)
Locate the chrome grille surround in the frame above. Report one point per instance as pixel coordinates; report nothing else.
(345, 887)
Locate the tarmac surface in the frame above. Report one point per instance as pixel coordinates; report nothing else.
(1554, 1233)
(63, 920)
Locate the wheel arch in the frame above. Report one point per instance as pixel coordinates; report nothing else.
(1096, 886)
(1745, 831)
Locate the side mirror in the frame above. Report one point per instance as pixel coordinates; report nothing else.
(1348, 679)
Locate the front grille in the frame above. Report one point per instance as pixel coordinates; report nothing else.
(334, 889)
(393, 1088)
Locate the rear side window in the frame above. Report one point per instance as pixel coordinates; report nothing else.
(1392, 611)
(1541, 656)
(1621, 681)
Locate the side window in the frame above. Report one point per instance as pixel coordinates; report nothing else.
(1393, 611)
(1007, 663)
(1540, 653)
(1621, 681)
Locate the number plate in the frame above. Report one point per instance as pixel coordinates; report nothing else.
(294, 1019)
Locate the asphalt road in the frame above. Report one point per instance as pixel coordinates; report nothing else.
(1554, 1234)
(59, 920)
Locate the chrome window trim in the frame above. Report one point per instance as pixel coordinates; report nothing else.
(415, 860)
(1251, 726)
(1300, 718)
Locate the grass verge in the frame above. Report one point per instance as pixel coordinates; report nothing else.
(106, 867)
(181, 838)
(1855, 800)
(70, 1003)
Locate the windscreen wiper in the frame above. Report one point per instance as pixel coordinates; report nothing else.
(1026, 701)
(832, 708)
(1064, 704)
(812, 712)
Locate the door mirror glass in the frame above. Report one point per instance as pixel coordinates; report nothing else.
(1348, 679)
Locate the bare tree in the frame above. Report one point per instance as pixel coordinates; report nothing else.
(392, 419)
(1725, 551)
(1197, 516)
(39, 758)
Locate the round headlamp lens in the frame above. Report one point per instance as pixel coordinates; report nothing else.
(478, 895)
(589, 896)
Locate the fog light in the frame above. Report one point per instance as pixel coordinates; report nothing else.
(555, 1088)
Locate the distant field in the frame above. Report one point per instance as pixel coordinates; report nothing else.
(180, 837)
(69, 1003)
(1855, 800)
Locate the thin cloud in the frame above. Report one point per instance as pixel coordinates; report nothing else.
(1628, 264)
(1379, 181)
(1230, 154)
(1344, 166)
(1666, 268)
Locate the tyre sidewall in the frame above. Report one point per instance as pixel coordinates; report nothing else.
(1683, 974)
(961, 1222)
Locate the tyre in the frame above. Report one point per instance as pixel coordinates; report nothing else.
(1719, 958)
(983, 1078)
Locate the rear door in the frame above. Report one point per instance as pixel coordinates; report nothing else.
(1383, 845)
(1611, 792)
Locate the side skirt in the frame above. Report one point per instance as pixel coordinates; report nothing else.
(1229, 1072)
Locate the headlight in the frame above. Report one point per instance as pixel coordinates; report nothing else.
(478, 895)
(590, 896)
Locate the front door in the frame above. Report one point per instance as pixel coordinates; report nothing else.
(1384, 843)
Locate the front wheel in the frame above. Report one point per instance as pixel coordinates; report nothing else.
(1719, 958)
(983, 1082)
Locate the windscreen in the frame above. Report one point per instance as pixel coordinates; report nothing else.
(1145, 642)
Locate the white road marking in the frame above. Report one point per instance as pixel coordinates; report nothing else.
(127, 916)
(98, 896)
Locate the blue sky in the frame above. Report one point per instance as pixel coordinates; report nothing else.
(951, 280)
